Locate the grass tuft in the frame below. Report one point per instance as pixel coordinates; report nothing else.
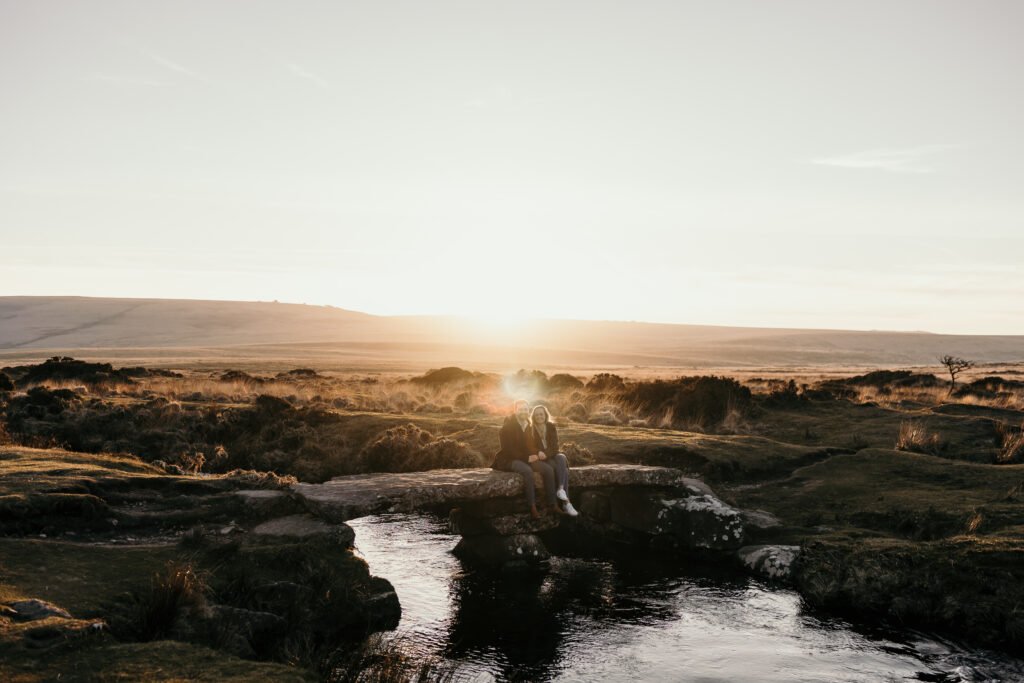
(175, 588)
(389, 660)
(1011, 444)
(915, 438)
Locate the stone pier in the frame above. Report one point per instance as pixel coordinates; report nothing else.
(629, 504)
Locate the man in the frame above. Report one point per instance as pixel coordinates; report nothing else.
(514, 456)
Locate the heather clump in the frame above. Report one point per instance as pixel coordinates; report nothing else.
(409, 448)
(703, 401)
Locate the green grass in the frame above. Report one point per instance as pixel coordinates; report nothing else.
(894, 493)
(83, 578)
(37, 470)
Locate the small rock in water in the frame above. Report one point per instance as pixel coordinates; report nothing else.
(771, 561)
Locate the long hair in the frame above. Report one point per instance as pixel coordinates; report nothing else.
(547, 416)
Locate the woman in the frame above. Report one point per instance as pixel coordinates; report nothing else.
(541, 441)
(515, 456)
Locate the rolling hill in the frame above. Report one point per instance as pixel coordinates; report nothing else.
(182, 330)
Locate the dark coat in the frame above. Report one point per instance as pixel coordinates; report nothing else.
(513, 444)
(534, 444)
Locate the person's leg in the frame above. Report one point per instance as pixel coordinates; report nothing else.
(524, 471)
(547, 473)
(562, 472)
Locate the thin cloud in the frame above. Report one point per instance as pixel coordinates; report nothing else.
(907, 160)
(308, 76)
(124, 80)
(175, 67)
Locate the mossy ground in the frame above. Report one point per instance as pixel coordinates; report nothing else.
(102, 661)
(103, 575)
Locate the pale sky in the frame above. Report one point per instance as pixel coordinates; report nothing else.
(854, 165)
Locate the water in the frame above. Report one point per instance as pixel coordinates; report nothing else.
(592, 620)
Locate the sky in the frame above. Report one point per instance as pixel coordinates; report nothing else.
(851, 165)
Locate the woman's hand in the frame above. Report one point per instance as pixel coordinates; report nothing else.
(541, 456)
(533, 458)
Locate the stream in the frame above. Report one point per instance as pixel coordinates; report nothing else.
(637, 619)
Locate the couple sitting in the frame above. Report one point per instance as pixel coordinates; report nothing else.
(529, 443)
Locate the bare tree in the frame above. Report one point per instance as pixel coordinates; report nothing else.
(954, 366)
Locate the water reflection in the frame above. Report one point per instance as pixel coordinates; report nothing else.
(631, 618)
(528, 623)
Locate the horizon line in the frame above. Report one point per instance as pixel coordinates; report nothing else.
(471, 318)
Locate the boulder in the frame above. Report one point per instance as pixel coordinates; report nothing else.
(769, 561)
(699, 521)
(243, 632)
(505, 552)
(702, 522)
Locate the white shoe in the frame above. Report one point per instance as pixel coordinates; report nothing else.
(561, 495)
(571, 511)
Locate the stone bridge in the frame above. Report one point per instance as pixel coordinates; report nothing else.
(657, 507)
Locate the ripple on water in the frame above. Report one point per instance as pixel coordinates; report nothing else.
(587, 620)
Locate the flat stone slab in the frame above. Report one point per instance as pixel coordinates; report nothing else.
(260, 494)
(344, 498)
(303, 526)
(33, 610)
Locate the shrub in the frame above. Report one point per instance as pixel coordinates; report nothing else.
(410, 449)
(463, 401)
(300, 373)
(63, 368)
(5, 383)
(784, 395)
(892, 378)
(577, 455)
(564, 382)
(577, 412)
(191, 461)
(604, 381)
(240, 376)
(449, 375)
(40, 401)
(991, 387)
(704, 401)
(272, 405)
(529, 383)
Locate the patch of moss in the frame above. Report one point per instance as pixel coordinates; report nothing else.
(963, 585)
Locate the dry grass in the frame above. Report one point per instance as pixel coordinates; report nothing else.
(389, 659)
(1011, 444)
(175, 588)
(916, 438)
(315, 426)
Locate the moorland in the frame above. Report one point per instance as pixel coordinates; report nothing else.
(130, 497)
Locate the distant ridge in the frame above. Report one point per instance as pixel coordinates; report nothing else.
(33, 325)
